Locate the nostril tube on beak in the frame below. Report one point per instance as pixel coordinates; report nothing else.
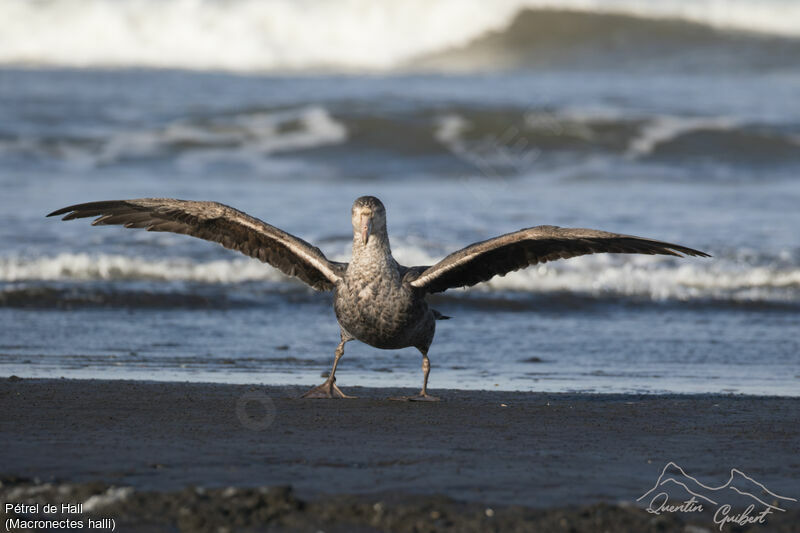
(366, 228)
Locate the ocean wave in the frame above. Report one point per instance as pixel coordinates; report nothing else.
(511, 140)
(247, 138)
(609, 39)
(737, 278)
(661, 130)
(283, 35)
(658, 279)
(95, 267)
(500, 140)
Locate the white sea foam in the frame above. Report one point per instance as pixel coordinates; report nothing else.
(86, 267)
(254, 35)
(657, 279)
(655, 130)
(663, 129)
(112, 495)
(506, 149)
(247, 138)
(260, 135)
(653, 278)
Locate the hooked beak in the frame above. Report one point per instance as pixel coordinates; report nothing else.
(366, 228)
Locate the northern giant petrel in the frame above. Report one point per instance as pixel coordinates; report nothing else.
(377, 300)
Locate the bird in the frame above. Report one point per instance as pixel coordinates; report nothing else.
(376, 300)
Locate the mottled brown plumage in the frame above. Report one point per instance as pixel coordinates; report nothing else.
(376, 300)
(216, 222)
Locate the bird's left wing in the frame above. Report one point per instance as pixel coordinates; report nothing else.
(216, 222)
(498, 256)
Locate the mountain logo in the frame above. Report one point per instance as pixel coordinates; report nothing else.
(740, 491)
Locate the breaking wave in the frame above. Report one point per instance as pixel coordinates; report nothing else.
(284, 35)
(491, 136)
(502, 140)
(96, 267)
(658, 279)
(737, 278)
(247, 138)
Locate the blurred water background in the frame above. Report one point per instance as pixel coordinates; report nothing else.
(676, 120)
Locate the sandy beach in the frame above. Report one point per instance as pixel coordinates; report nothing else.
(476, 461)
(600, 196)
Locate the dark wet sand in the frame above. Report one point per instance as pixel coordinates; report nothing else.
(553, 456)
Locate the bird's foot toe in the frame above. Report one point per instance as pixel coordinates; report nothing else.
(326, 390)
(421, 397)
(339, 394)
(424, 398)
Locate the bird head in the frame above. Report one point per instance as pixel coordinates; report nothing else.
(369, 217)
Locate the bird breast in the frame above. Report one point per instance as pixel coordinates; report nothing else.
(374, 305)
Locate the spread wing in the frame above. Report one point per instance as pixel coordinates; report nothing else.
(216, 222)
(498, 256)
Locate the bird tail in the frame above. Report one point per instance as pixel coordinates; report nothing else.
(439, 316)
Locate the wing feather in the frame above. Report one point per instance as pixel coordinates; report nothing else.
(498, 256)
(219, 223)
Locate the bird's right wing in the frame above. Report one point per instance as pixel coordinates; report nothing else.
(499, 256)
(216, 222)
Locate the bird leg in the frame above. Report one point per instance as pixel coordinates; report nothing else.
(329, 388)
(423, 395)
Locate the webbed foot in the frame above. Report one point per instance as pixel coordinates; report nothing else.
(326, 390)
